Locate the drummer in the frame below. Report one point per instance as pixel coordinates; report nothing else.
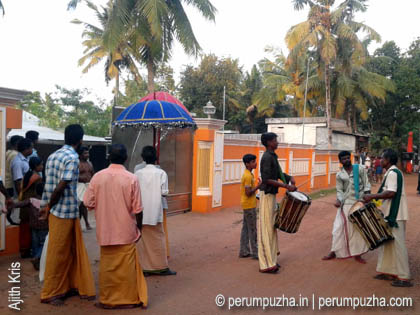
(393, 257)
(352, 183)
(267, 234)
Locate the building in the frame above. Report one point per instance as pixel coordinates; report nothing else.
(290, 130)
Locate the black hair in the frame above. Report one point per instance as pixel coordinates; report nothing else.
(343, 154)
(391, 156)
(82, 149)
(118, 154)
(32, 135)
(149, 154)
(247, 158)
(33, 163)
(40, 188)
(73, 134)
(24, 144)
(14, 140)
(268, 136)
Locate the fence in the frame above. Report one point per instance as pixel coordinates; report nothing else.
(223, 168)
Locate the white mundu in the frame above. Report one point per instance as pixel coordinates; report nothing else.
(393, 256)
(346, 240)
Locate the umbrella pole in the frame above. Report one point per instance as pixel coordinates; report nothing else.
(154, 137)
(158, 145)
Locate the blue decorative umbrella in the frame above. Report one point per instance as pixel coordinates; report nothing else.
(154, 114)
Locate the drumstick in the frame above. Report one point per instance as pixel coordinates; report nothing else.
(306, 181)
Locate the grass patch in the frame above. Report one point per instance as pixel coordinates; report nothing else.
(322, 193)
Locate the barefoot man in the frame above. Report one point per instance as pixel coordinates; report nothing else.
(114, 193)
(271, 172)
(393, 256)
(352, 183)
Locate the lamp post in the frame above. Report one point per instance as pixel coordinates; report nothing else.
(209, 109)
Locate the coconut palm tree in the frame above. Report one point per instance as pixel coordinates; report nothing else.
(120, 57)
(284, 80)
(322, 32)
(159, 23)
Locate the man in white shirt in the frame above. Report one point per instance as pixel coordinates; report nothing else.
(393, 256)
(164, 206)
(152, 246)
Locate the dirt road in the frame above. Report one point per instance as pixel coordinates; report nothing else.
(204, 251)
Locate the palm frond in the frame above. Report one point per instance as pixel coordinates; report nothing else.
(154, 11)
(373, 35)
(205, 7)
(297, 33)
(300, 4)
(328, 47)
(183, 29)
(2, 7)
(72, 4)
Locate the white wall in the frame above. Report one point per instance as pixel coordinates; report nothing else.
(293, 132)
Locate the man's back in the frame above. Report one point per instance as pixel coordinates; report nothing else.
(63, 164)
(115, 195)
(153, 185)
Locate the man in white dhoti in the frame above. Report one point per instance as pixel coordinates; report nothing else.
(393, 257)
(165, 207)
(352, 183)
(152, 246)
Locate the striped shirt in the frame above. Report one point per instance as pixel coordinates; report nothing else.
(63, 164)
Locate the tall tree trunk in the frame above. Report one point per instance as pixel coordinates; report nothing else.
(150, 76)
(328, 105)
(354, 110)
(117, 88)
(348, 112)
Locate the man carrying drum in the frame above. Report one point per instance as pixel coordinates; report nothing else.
(267, 234)
(393, 256)
(352, 183)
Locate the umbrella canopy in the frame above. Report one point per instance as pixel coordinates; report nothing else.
(164, 96)
(155, 113)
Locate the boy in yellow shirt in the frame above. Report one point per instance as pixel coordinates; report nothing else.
(249, 204)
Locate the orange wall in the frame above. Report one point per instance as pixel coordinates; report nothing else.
(231, 196)
(233, 151)
(237, 152)
(231, 192)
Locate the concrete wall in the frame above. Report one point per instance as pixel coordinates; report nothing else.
(340, 141)
(292, 133)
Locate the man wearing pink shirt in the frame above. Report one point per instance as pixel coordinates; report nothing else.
(114, 193)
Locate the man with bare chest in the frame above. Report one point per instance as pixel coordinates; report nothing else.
(85, 175)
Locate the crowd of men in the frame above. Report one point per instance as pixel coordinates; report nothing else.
(129, 211)
(353, 186)
(131, 221)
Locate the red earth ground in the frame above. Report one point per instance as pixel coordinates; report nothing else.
(204, 252)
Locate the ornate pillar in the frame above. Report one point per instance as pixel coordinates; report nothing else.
(208, 165)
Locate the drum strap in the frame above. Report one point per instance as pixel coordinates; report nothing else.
(281, 174)
(356, 180)
(395, 203)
